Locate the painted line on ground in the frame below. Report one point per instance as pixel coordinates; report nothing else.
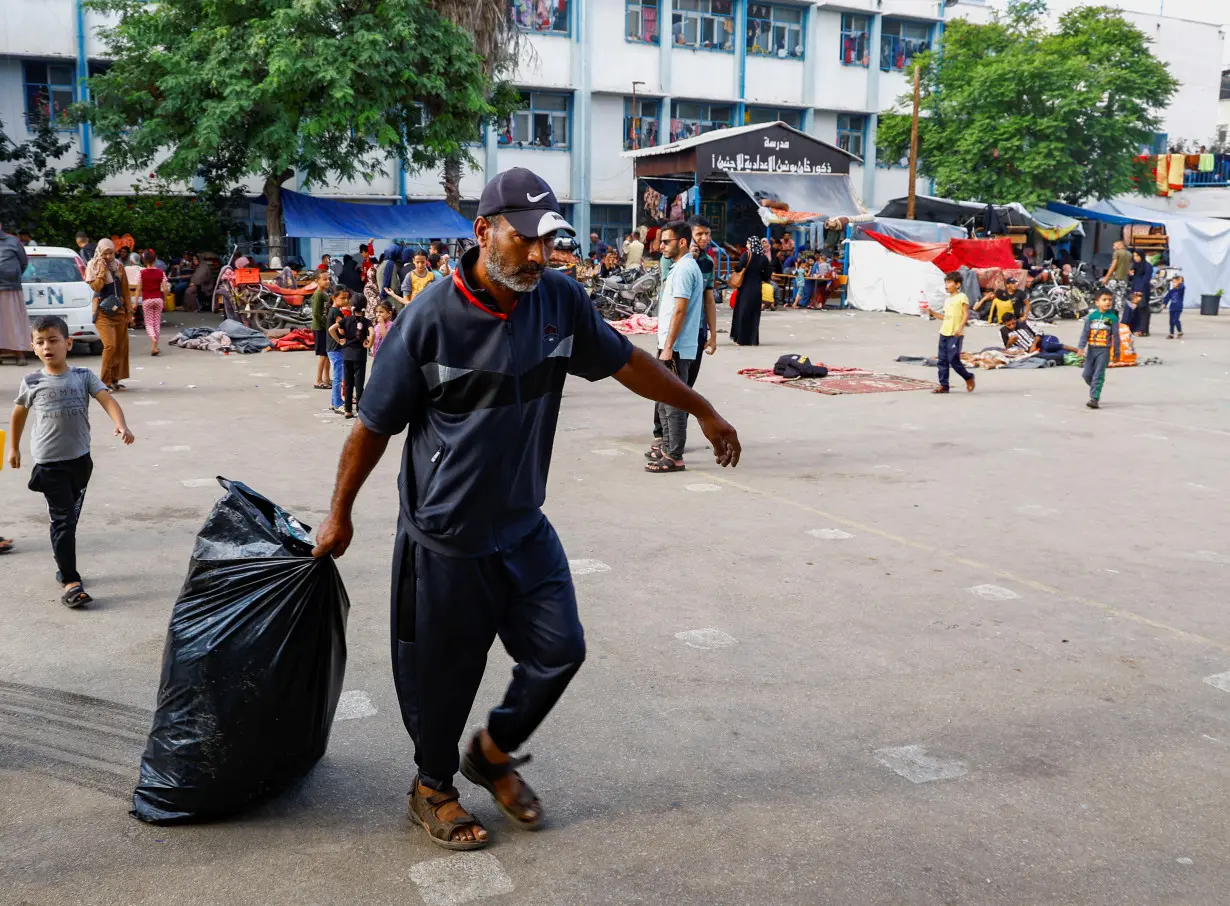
(829, 534)
(1108, 609)
(915, 765)
(353, 705)
(706, 639)
(460, 878)
(586, 567)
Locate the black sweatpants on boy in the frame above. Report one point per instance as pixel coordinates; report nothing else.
(446, 613)
(63, 484)
(354, 374)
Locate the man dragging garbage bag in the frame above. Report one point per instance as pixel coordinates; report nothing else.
(475, 370)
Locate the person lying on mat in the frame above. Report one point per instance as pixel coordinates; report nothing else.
(1017, 334)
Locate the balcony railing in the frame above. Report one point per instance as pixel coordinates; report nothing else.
(1219, 176)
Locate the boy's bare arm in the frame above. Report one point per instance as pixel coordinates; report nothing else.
(112, 408)
(17, 424)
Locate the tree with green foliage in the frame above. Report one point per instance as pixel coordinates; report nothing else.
(1012, 111)
(227, 90)
(32, 170)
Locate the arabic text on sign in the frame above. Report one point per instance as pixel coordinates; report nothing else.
(746, 163)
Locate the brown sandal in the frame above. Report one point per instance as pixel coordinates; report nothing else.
(426, 811)
(478, 770)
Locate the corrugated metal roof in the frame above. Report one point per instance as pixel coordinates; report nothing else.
(719, 134)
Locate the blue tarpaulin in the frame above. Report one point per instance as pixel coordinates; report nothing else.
(1088, 214)
(322, 218)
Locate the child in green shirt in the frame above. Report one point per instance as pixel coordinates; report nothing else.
(1099, 340)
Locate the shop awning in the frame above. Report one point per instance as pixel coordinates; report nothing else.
(945, 210)
(322, 218)
(1090, 214)
(815, 196)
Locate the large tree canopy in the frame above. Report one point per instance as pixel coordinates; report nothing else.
(329, 89)
(1012, 111)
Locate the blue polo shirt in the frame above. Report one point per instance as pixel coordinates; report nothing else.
(480, 392)
(682, 281)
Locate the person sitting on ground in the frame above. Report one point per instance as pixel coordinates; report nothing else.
(1017, 333)
(1003, 301)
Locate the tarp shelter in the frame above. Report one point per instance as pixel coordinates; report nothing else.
(911, 230)
(773, 159)
(322, 218)
(880, 280)
(1054, 226)
(945, 210)
(1199, 246)
(950, 255)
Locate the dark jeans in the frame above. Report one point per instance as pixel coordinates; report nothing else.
(1176, 325)
(950, 357)
(63, 484)
(446, 613)
(355, 373)
(1096, 360)
(674, 422)
(690, 380)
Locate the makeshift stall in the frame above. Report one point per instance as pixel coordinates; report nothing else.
(727, 174)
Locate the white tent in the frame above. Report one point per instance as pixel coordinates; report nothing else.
(1199, 246)
(881, 280)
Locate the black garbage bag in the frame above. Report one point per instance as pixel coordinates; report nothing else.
(252, 670)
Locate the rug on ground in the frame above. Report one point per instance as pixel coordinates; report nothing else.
(840, 381)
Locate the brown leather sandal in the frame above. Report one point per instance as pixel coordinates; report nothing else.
(425, 810)
(477, 769)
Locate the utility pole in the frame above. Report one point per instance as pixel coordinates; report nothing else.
(636, 118)
(909, 211)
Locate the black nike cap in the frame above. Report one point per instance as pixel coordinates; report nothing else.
(526, 201)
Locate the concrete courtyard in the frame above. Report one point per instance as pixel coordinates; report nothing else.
(971, 649)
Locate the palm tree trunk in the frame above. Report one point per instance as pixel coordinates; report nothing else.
(450, 179)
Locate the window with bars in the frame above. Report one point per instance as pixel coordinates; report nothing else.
(542, 122)
(850, 131)
(755, 115)
(855, 40)
(900, 41)
(691, 119)
(544, 16)
(703, 24)
(612, 222)
(641, 123)
(50, 91)
(641, 21)
(775, 31)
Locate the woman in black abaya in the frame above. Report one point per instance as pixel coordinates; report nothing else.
(756, 269)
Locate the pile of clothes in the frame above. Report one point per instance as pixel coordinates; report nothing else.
(636, 324)
(296, 340)
(231, 336)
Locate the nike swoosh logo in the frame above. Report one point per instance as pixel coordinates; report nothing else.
(534, 199)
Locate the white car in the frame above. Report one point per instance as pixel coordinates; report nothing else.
(54, 284)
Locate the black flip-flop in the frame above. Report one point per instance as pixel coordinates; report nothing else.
(75, 597)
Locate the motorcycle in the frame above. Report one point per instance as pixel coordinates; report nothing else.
(631, 292)
(1053, 297)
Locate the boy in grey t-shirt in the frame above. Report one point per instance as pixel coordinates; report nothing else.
(56, 402)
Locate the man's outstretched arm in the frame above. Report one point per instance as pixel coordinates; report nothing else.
(360, 454)
(645, 376)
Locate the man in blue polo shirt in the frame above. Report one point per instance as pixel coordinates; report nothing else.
(680, 309)
(475, 370)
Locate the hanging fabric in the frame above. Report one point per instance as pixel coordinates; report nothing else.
(1162, 174)
(1176, 172)
(1206, 163)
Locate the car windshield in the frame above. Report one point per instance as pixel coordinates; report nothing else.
(51, 270)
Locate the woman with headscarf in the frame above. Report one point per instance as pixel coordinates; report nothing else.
(1141, 282)
(113, 312)
(371, 294)
(756, 270)
(407, 264)
(350, 276)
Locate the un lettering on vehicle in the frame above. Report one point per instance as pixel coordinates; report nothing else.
(46, 296)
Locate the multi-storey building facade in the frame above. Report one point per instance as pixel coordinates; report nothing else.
(598, 77)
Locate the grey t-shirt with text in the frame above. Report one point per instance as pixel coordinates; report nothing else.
(59, 420)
